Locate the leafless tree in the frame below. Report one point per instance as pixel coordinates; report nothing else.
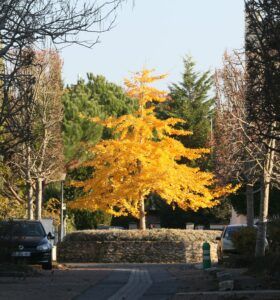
(241, 153)
(39, 159)
(235, 156)
(263, 67)
(26, 25)
(30, 22)
(262, 93)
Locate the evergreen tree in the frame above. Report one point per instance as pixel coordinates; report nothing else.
(91, 98)
(190, 100)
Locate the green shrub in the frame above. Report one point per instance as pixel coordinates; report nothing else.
(85, 219)
(273, 233)
(244, 241)
(147, 235)
(267, 268)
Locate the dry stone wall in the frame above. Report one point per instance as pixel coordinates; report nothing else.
(84, 248)
(194, 252)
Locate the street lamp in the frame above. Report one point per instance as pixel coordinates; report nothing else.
(62, 179)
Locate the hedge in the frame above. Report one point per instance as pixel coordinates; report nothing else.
(147, 235)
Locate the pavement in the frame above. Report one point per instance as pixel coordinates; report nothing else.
(133, 282)
(57, 284)
(123, 282)
(94, 281)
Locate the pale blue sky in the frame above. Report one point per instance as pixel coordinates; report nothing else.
(158, 34)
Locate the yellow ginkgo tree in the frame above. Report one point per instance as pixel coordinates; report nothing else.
(143, 159)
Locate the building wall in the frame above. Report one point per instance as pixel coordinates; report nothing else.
(236, 218)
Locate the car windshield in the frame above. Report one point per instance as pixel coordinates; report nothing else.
(230, 231)
(26, 229)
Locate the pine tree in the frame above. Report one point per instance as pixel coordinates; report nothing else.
(96, 97)
(190, 100)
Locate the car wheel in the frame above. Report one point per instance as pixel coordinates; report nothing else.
(47, 266)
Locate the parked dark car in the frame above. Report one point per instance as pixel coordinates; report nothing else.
(27, 241)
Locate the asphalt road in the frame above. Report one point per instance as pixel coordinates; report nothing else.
(95, 281)
(123, 282)
(133, 282)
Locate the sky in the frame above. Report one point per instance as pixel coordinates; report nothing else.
(157, 34)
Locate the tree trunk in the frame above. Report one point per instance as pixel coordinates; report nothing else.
(142, 215)
(39, 198)
(30, 212)
(28, 180)
(264, 202)
(250, 204)
(262, 224)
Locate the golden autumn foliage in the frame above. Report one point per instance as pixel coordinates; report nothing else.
(143, 159)
(10, 208)
(51, 209)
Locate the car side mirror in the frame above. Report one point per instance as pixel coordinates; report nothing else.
(50, 236)
(218, 238)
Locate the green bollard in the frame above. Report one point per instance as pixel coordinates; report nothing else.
(206, 256)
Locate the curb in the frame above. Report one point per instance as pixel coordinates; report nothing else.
(262, 294)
